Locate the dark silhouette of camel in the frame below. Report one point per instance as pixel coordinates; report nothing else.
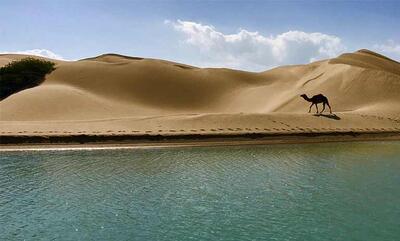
(315, 100)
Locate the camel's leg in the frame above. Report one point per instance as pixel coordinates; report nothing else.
(310, 107)
(327, 102)
(323, 107)
(316, 106)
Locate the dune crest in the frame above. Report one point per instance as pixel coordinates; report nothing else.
(369, 60)
(111, 58)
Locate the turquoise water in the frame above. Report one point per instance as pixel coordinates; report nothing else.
(340, 191)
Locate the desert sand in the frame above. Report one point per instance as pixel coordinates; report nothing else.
(115, 95)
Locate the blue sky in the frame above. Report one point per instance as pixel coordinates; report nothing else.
(251, 35)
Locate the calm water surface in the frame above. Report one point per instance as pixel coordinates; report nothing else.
(340, 191)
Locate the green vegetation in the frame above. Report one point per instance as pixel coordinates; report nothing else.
(23, 74)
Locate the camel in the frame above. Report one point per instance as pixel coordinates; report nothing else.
(315, 100)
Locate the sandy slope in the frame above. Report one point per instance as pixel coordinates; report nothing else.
(118, 94)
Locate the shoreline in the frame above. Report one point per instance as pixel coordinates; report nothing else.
(53, 142)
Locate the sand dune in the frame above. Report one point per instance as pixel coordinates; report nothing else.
(116, 87)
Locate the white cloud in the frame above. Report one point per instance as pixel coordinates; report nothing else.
(37, 52)
(390, 48)
(253, 51)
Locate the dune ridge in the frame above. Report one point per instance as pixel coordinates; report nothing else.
(131, 89)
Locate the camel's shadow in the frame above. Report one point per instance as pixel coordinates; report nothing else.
(330, 116)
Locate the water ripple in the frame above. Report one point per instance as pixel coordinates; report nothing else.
(332, 191)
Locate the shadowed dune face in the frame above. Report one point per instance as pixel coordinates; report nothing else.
(116, 86)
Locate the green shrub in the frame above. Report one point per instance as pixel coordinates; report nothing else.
(22, 74)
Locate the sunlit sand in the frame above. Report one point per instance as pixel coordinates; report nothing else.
(115, 95)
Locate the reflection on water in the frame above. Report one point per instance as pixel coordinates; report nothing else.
(341, 191)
